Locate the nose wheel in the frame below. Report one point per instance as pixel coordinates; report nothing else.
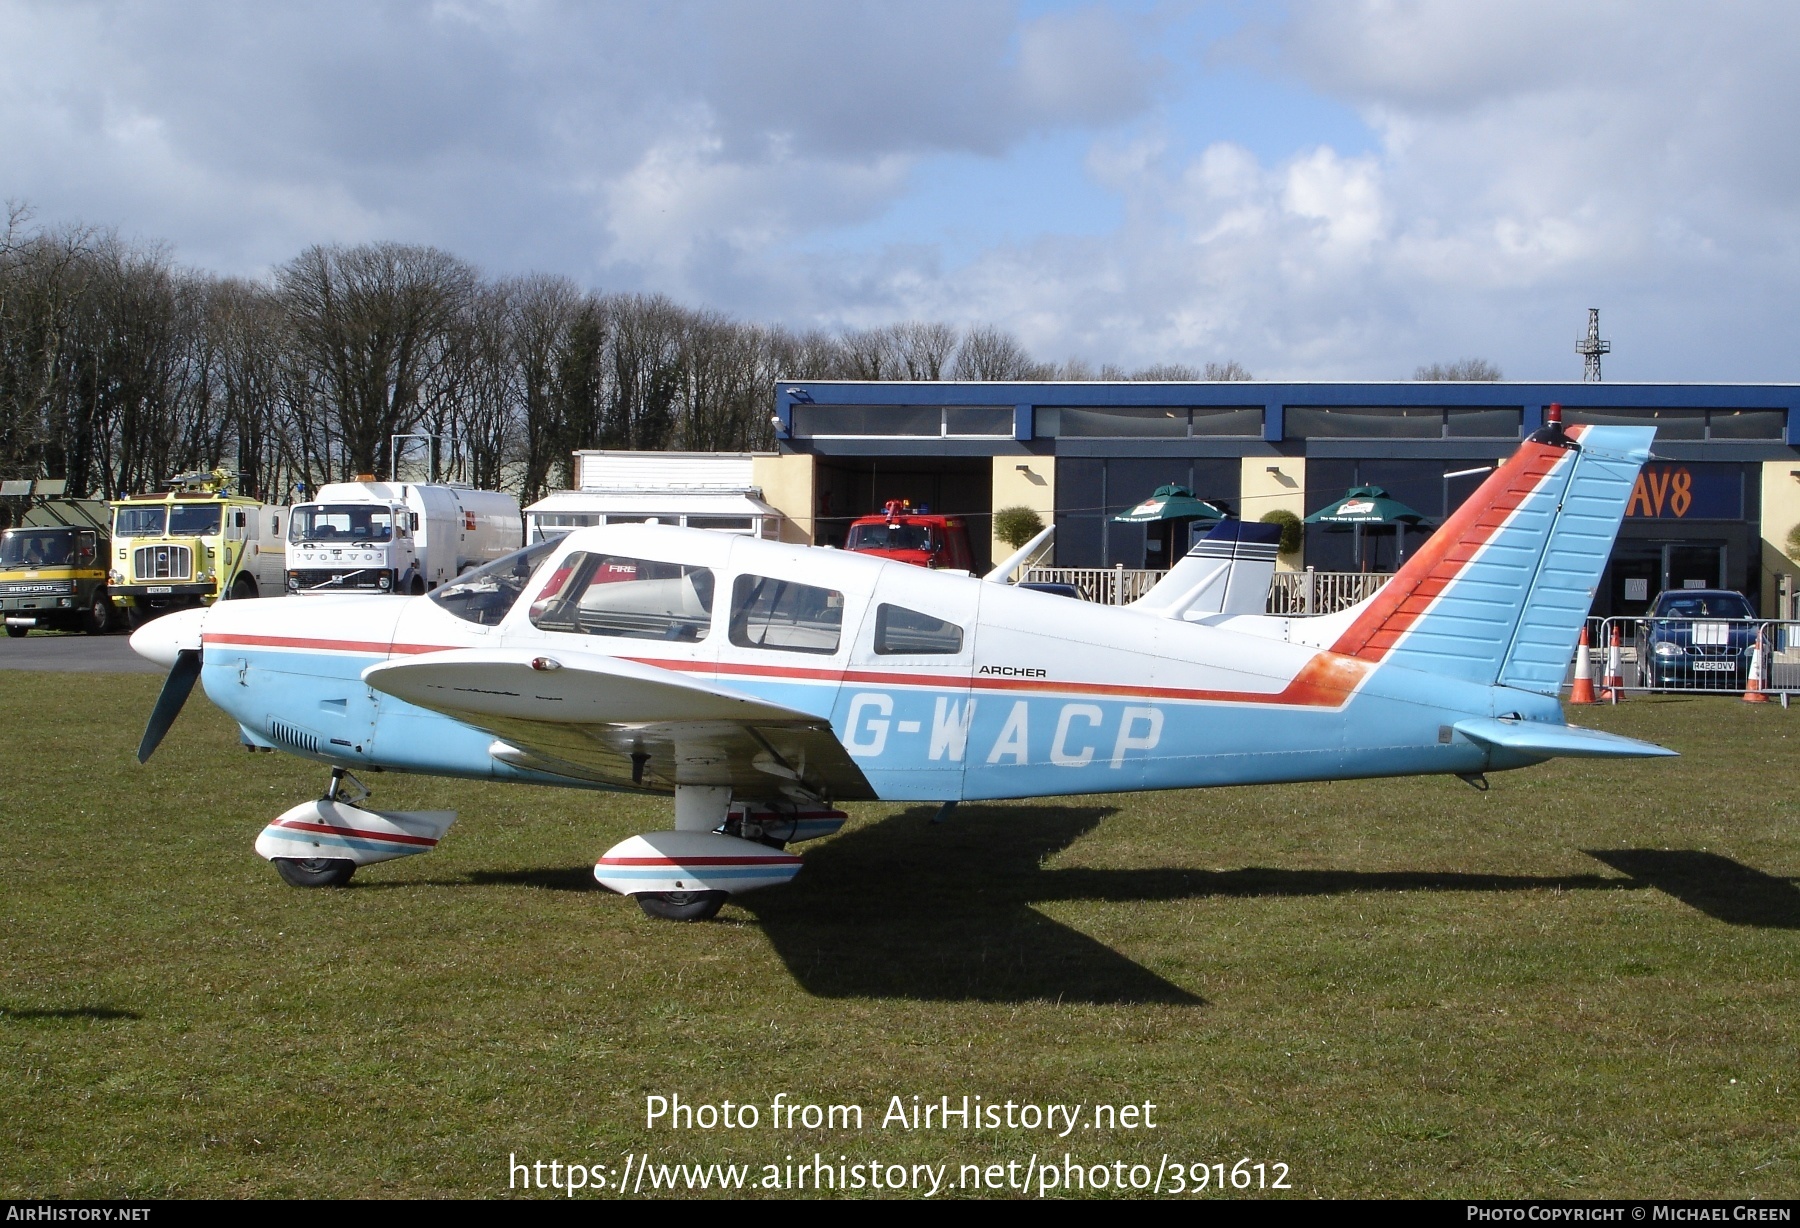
(325, 871)
(681, 905)
(314, 871)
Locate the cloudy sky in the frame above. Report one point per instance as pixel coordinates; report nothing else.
(1343, 189)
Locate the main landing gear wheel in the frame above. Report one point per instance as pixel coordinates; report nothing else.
(315, 871)
(681, 905)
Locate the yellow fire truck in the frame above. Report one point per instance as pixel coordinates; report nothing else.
(193, 544)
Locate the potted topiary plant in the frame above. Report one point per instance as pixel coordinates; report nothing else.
(1293, 532)
(1017, 525)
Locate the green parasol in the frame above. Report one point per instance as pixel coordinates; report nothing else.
(1367, 505)
(1170, 503)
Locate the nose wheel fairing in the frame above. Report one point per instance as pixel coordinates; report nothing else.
(332, 829)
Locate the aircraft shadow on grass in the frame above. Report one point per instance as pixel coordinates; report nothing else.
(64, 1014)
(1723, 889)
(904, 909)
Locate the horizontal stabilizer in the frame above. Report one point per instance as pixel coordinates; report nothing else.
(1556, 741)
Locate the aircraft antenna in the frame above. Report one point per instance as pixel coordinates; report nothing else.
(1591, 347)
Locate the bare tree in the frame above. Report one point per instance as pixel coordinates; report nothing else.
(1225, 372)
(42, 276)
(542, 312)
(873, 353)
(989, 353)
(808, 355)
(645, 372)
(1469, 370)
(924, 348)
(1167, 372)
(375, 323)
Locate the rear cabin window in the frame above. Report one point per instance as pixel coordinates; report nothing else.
(783, 615)
(899, 631)
(638, 599)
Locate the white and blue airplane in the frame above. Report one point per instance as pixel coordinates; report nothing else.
(762, 684)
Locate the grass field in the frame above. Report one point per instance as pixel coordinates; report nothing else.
(1585, 982)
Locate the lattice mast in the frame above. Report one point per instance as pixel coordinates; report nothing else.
(1591, 347)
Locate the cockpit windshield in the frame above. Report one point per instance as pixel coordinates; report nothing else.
(890, 537)
(142, 520)
(193, 519)
(487, 593)
(38, 548)
(341, 522)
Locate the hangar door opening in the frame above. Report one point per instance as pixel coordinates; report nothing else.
(847, 487)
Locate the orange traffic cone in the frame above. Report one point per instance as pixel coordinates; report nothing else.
(1581, 691)
(1753, 688)
(1615, 669)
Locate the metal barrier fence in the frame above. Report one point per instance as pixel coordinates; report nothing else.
(1106, 585)
(1291, 593)
(1695, 655)
(1302, 593)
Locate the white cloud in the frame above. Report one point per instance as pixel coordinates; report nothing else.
(1530, 160)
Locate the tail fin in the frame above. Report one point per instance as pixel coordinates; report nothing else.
(1240, 554)
(1499, 592)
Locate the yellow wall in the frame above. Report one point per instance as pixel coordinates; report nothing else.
(1261, 491)
(1780, 512)
(1034, 487)
(787, 486)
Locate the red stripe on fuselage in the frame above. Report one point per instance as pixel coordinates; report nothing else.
(1325, 681)
(1399, 604)
(698, 861)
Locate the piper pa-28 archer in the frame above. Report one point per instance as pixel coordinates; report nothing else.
(762, 684)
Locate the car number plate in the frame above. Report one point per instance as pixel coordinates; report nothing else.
(1715, 665)
(159, 588)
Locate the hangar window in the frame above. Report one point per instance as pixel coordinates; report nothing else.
(899, 630)
(783, 615)
(637, 599)
(903, 421)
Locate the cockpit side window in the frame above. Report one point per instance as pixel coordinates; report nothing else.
(785, 616)
(900, 631)
(487, 593)
(639, 599)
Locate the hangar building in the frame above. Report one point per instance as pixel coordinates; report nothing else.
(1714, 507)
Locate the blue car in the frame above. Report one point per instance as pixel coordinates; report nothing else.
(1696, 639)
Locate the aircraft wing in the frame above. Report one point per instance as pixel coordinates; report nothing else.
(592, 717)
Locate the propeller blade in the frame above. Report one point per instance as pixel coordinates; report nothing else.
(176, 688)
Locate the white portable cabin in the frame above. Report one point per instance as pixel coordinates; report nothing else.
(697, 490)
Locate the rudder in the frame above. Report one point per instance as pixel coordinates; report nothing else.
(1499, 592)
